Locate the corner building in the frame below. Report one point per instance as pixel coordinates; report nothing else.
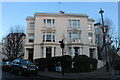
(45, 30)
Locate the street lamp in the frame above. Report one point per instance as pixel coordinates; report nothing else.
(104, 31)
(62, 45)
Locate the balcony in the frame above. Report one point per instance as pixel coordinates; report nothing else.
(74, 29)
(76, 42)
(48, 29)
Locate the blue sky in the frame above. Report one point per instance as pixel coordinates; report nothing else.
(15, 13)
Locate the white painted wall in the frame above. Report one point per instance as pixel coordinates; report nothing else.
(61, 27)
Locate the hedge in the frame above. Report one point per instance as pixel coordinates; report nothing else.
(83, 63)
(50, 63)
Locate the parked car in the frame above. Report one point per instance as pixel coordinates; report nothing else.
(117, 67)
(21, 67)
(3, 66)
(8, 65)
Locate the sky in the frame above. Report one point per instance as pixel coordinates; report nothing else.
(15, 13)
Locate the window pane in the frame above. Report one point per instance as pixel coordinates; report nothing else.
(69, 23)
(89, 26)
(32, 25)
(44, 22)
(48, 52)
(76, 49)
(48, 37)
(74, 37)
(48, 22)
(74, 23)
(53, 37)
(53, 22)
(43, 37)
(31, 38)
(91, 37)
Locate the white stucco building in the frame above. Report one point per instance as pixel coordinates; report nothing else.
(45, 30)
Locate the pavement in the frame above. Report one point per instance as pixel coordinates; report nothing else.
(100, 74)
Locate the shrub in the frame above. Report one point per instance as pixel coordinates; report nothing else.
(93, 63)
(83, 63)
(51, 62)
(41, 63)
(67, 63)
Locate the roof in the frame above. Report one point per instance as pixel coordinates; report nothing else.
(60, 14)
(91, 20)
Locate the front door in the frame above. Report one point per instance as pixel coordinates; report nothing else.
(76, 49)
(48, 52)
(91, 51)
(30, 54)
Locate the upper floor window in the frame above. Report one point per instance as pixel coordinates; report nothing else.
(90, 27)
(32, 25)
(90, 37)
(74, 37)
(48, 37)
(49, 22)
(74, 23)
(31, 38)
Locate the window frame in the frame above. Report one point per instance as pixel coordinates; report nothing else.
(51, 24)
(32, 25)
(31, 39)
(74, 23)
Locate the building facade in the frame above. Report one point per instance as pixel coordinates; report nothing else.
(45, 30)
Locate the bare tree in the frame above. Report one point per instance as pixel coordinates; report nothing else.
(112, 43)
(117, 45)
(13, 43)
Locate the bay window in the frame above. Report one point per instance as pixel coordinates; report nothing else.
(74, 37)
(48, 37)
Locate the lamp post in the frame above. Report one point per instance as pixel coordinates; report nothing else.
(104, 30)
(62, 45)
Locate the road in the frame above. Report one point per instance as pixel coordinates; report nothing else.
(11, 76)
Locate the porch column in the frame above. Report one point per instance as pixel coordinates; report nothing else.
(44, 52)
(52, 52)
(72, 52)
